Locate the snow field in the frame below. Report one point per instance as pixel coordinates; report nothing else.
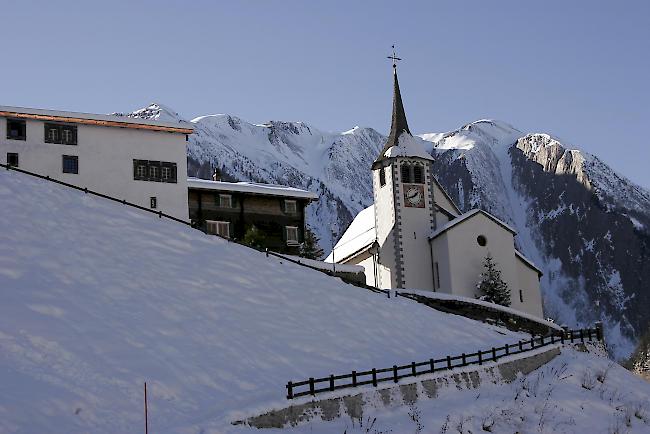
(97, 298)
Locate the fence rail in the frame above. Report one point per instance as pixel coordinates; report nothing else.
(374, 376)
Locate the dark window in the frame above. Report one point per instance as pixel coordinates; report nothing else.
(481, 240)
(156, 171)
(521, 296)
(290, 207)
(406, 173)
(70, 164)
(16, 129)
(417, 175)
(153, 202)
(61, 134)
(12, 159)
(382, 176)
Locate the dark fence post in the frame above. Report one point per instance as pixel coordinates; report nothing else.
(413, 369)
(507, 350)
(480, 357)
(599, 331)
(589, 334)
(311, 385)
(571, 334)
(464, 359)
(354, 378)
(494, 354)
(374, 377)
(332, 382)
(532, 343)
(431, 364)
(562, 338)
(395, 373)
(448, 362)
(582, 336)
(542, 340)
(289, 390)
(552, 338)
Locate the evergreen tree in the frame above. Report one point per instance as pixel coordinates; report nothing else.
(492, 288)
(310, 248)
(639, 363)
(254, 238)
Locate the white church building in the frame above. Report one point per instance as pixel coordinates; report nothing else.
(141, 161)
(415, 237)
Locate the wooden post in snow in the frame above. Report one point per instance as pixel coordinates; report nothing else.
(146, 416)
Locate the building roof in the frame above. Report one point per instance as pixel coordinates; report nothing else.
(400, 142)
(468, 215)
(180, 127)
(357, 238)
(528, 262)
(251, 188)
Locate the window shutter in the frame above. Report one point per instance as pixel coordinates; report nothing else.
(406, 174)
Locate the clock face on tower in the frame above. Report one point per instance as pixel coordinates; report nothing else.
(414, 195)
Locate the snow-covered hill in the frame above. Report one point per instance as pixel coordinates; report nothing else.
(586, 226)
(97, 298)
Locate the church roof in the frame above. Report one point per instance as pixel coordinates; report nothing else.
(358, 236)
(400, 142)
(468, 215)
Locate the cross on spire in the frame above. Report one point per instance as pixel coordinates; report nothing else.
(394, 58)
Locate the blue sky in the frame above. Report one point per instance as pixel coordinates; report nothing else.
(576, 69)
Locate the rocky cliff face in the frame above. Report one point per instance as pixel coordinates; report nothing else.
(584, 225)
(578, 220)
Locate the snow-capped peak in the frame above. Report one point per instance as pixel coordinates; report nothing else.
(154, 111)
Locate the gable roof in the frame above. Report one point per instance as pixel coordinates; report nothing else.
(95, 119)
(357, 238)
(468, 215)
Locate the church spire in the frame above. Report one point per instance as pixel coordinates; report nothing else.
(398, 124)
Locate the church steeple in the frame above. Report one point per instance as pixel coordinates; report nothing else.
(398, 124)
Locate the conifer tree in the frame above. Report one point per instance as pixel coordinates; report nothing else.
(254, 238)
(491, 287)
(310, 248)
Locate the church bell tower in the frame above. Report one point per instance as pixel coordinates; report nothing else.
(404, 205)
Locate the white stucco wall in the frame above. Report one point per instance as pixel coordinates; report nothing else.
(365, 260)
(466, 256)
(460, 261)
(528, 283)
(416, 225)
(384, 226)
(106, 157)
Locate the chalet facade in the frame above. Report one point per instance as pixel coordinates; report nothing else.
(230, 209)
(138, 160)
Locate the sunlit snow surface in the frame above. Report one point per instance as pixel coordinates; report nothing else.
(98, 298)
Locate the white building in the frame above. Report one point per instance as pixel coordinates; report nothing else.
(140, 161)
(415, 237)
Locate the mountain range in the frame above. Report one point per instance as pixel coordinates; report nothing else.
(586, 226)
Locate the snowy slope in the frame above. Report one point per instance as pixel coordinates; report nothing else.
(98, 298)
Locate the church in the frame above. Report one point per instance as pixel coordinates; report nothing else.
(415, 237)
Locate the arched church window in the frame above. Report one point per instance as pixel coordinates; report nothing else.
(417, 175)
(382, 176)
(406, 174)
(481, 240)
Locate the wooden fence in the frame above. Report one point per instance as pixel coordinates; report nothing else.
(395, 373)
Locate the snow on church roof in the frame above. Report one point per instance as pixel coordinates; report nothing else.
(408, 146)
(359, 235)
(251, 187)
(467, 216)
